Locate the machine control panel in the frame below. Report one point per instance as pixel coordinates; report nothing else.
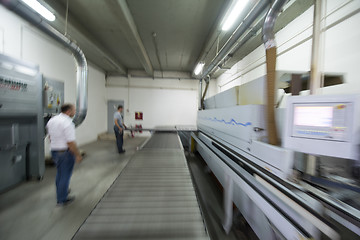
(327, 121)
(52, 99)
(324, 125)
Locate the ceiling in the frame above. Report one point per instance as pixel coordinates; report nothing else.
(148, 37)
(171, 32)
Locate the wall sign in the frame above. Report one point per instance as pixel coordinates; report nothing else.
(138, 116)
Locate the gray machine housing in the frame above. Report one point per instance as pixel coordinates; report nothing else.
(21, 122)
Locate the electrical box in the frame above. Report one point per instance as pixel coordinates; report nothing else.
(53, 96)
(324, 125)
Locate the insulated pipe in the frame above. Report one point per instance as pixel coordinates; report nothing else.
(200, 94)
(224, 51)
(269, 23)
(270, 46)
(80, 60)
(315, 75)
(207, 81)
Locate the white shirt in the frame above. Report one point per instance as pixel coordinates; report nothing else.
(61, 130)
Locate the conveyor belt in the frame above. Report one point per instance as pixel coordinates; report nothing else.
(163, 140)
(153, 198)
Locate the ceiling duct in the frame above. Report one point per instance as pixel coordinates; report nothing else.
(225, 50)
(80, 60)
(269, 23)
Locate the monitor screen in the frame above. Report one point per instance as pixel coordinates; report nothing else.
(316, 116)
(327, 121)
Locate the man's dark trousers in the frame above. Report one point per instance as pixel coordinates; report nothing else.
(119, 139)
(64, 161)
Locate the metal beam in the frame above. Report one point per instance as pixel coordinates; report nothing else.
(157, 74)
(130, 31)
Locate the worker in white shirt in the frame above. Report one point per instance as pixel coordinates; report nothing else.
(64, 151)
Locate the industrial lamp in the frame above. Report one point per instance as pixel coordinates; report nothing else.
(40, 9)
(233, 13)
(199, 67)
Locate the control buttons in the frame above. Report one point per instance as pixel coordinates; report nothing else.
(314, 133)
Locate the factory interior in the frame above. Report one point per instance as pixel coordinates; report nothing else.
(242, 119)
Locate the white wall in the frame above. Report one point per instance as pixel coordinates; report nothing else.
(166, 102)
(341, 50)
(22, 41)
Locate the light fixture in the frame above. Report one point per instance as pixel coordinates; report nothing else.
(233, 14)
(43, 11)
(199, 67)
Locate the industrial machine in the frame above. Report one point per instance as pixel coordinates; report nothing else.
(21, 122)
(277, 199)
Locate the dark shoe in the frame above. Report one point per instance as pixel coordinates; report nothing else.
(67, 201)
(123, 151)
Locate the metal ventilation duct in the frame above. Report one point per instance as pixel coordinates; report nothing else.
(269, 23)
(81, 64)
(254, 14)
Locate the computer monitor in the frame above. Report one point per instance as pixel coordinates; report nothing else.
(323, 125)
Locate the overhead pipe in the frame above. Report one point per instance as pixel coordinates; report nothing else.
(214, 32)
(315, 75)
(270, 46)
(81, 64)
(207, 81)
(224, 51)
(79, 32)
(200, 94)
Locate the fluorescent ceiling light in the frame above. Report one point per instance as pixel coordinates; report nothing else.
(199, 68)
(43, 11)
(233, 14)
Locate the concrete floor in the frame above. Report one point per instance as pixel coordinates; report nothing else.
(29, 210)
